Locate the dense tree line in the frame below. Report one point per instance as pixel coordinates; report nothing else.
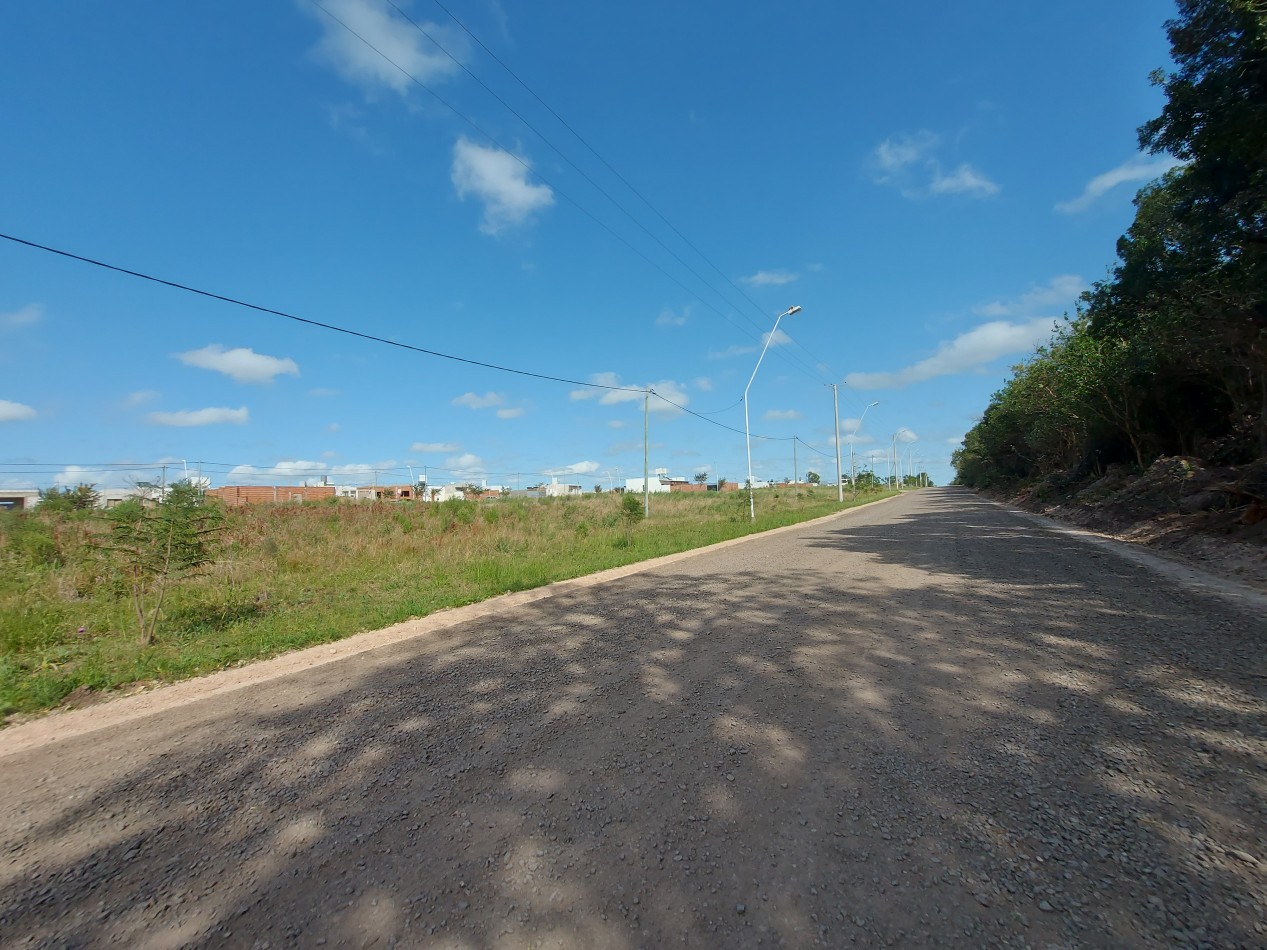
(1168, 355)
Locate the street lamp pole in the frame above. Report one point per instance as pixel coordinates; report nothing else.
(747, 434)
(853, 476)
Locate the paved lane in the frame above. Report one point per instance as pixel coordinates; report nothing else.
(932, 722)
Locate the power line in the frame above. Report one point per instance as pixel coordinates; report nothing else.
(540, 177)
(580, 171)
(593, 151)
(314, 323)
(527, 168)
(364, 336)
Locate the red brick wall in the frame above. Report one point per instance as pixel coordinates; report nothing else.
(267, 494)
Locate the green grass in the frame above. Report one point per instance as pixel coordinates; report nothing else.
(291, 576)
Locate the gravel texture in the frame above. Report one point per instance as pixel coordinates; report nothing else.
(931, 722)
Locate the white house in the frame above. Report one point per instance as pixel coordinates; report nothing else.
(555, 490)
(659, 483)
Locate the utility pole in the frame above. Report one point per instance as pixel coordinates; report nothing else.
(794, 471)
(646, 436)
(835, 411)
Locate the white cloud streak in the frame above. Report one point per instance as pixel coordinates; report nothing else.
(15, 411)
(201, 417)
(26, 316)
(474, 401)
(435, 447)
(964, 180)
(910, 163)
(514, 413)
(1061, 291)
(500, 181)
(966, 352)
(781, 415)
(631, 392)
(465, 465)
(374, 48)
(242, 364)
(1136, 170)
(770, 278)
(576, 468)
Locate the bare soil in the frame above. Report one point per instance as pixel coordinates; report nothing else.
(931, 722)
(1211, 518)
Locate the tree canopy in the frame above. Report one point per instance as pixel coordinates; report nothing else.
(1168, 354)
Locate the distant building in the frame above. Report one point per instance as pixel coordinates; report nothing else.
(271, 494)
(16, 499)
(555, 490)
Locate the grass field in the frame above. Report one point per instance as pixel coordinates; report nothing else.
(290, 576)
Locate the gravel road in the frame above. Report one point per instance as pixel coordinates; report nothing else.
(931, 722)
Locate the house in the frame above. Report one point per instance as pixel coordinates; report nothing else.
(233, 495)
(682, 485)
(386, 492)
(658, 483)
(555, 490)
(16, 499)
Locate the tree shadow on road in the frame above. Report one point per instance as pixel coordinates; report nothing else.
(942, 729)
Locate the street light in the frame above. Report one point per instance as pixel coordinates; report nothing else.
(752, 505)
(853, 478)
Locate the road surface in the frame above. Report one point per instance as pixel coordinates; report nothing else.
(930, 722)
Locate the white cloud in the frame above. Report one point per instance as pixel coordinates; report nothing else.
(473, 401)
(616, 423)
(117, 476)
(435, 447)
(500, 180)
(466, 464)
(906, 435)
(140, 398)
(391, 37)
(332, 427)
(200, 417)
(668, 318)
(15, 411)
(779, 338)
(703, 384)
(509, 413)
(26, 316)
(781, 415)
(1135, 170)
(731, 352)
(894, 154)
(242, 364)
(966, 352)
(849, 432)
(910, 163)
(770, 278)
(955, 440)
(576, 468)
(1060, 291)
(631, 392)
(322, 392)
(964, 180)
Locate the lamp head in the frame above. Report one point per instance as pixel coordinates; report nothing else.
(792, 310)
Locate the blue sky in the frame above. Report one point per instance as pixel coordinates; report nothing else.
(620, 195)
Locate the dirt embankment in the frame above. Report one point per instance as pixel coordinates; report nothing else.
(1212, 517)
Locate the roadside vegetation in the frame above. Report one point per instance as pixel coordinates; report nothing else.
(96, 600)
(1168, 355)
